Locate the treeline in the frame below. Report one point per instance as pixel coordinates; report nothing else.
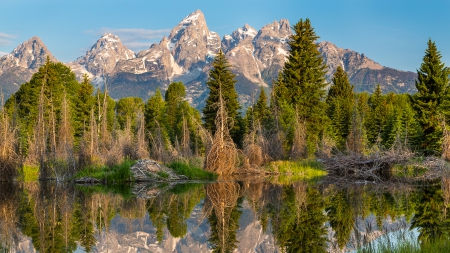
(61, 125)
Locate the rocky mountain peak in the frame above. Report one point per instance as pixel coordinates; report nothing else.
(31, 54)
(104, 54)
(191, 42)
(242, 33)
(280, 29)
(349, 60)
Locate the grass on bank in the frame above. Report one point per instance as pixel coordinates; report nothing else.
(307, 168)
(409, 245)
(191, 171)
(30, 173)
(289, 171)
(119, 173)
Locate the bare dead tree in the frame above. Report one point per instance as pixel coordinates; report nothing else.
(222, 156)
(298, 149)
(355, 140)
(40, 135)
(159, 144)
(185, 139)
(222, 198)
(141, 142)
(256, 146)
(445, 141)
(9, 157)
(64, 147)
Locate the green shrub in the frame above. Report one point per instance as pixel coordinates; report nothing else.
(191, 172)
(301, 169)
(115, 174)
(163, 174)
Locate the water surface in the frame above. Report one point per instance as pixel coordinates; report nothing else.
(226, 216)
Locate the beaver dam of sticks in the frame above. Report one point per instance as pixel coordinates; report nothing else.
(379, 167)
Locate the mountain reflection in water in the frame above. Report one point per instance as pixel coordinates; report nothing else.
(224, 216)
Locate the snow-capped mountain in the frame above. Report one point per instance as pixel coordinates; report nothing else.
(255, 56)
(102, 58)
(18, 66)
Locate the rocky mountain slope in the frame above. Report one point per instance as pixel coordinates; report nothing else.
(364, 73)
(18, 66)
(102, 58)
(255, 56)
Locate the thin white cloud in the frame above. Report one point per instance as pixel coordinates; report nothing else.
(5, 39)
(136, 39)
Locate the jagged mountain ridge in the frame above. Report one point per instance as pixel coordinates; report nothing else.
(256, 57)
(18, 66)
(364, 72)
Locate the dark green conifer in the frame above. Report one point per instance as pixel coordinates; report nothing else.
(174, 97)
(432, 85)
(154, 111)
(302, 81)
(84, 103)
(221, 77)
(377, 116)
(128, 109)
(340, 100)
(260, 108)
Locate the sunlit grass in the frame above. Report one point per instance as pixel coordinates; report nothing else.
(30, 173)
(290, 171)
(191, 171)
(114, 174)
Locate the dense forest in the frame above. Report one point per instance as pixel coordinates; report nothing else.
(62, 125)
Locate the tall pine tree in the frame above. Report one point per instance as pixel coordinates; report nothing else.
(432, 85)
(221, 77)
(340, 100)
(302, 81)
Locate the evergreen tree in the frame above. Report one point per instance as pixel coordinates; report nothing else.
(340, 101)
(377, 115)
(221, 77)
(430, 219)
(302, 81)
(260, 108)
(432, 85)
(54, 79)
(174, 97)
(127, 109)
(340, 216)
(154, 111)
(83, 104)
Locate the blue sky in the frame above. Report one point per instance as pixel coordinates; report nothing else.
(393, 33)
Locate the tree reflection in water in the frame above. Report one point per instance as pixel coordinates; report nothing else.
(296, 217)
(431, 218)
(222, 202)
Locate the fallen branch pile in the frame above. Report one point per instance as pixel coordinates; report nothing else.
(375, 167)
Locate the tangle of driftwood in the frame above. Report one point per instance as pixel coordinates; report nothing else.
(375, 167)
